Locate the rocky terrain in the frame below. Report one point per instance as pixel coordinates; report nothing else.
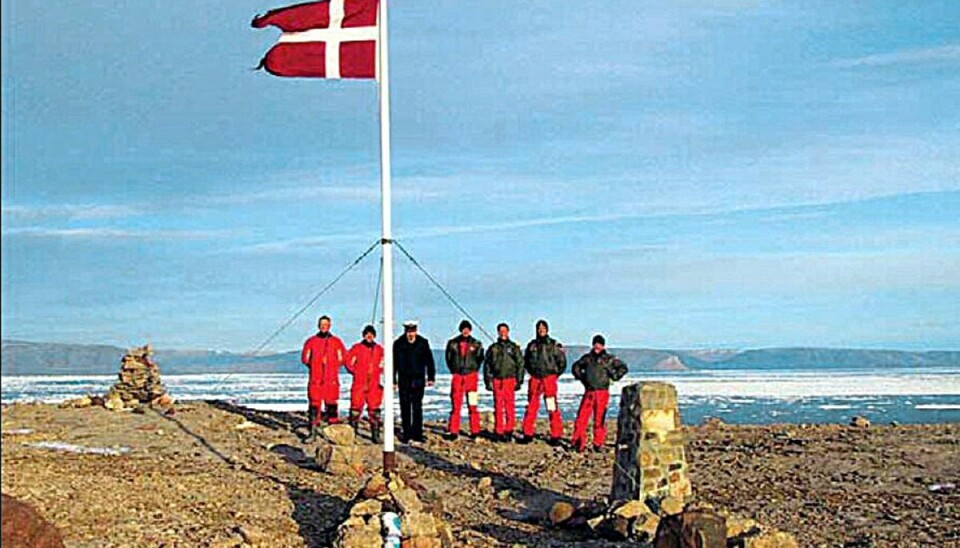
(218, 475)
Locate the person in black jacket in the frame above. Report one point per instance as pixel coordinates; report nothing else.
(545, 360)
(464, 356)
(503, 375)
(595, 369)
(413, 370)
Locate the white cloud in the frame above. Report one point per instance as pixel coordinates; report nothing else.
(289, 194)
(835, 169)
(321, 193)
(67, 211)
(777, 213)
(442, 231)
(949, 53)
(808, 273)
(99, 233)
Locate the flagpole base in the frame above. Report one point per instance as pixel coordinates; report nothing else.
(389, 461)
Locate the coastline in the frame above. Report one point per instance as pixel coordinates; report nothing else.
(195, 478)
(739, 397)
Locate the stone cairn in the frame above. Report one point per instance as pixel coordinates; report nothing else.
(389, 512)
(651, 496)
(338, 452)
(138, 383)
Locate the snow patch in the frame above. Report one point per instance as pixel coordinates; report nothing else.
(73, 448)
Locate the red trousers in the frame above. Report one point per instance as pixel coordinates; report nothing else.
(465, 385)
(547, 389)
(594, 404)
(370, 395)
(323, 396)
(319, 393)
(504, 405)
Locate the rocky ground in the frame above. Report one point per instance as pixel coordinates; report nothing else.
(217, 475)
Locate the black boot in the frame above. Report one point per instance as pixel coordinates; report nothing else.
(333, 413)
(354, 420)
(375, 421)
(312, 418)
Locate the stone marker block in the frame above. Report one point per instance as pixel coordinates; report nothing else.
(651, 459)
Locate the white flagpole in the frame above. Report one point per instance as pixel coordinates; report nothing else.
(389, 457)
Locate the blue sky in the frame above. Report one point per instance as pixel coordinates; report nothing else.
(672, 174)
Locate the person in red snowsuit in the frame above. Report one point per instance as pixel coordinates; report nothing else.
(323, 354)
(464, 357)
(545, 360)
(595, 369)
(503, 375)
(365, 363)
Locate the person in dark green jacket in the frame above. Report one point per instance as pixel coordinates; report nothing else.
(545, 360)
(503, 375)
(596, 370)
(464, 357)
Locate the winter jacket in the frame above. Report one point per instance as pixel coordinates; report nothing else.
(596, 371)
(504, 360)
(365, 363)
(323, 353)
(413, 362)
(544, 356)
(464, 355)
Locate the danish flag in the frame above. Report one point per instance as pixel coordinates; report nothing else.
(325, 39)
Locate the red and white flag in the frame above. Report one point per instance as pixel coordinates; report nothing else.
(326, 39)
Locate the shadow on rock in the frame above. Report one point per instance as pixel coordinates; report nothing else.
(295, 456)
(499, 481)
(199, 439)
(317, 515)
(535, 501)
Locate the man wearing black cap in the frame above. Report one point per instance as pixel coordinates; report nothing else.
(365, 363)
(503, 375)
(464, 355)
(545, 360)
(595, 369)
(413, 370)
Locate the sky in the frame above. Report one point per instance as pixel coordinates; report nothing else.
(682, 174)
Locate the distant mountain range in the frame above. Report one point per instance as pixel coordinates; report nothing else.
(42, 358)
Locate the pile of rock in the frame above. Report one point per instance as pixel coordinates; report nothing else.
(651, 488)
(663, 524)
(388, 512)
(139, 380)
(632, 520)
(338, 452)
(138, 383)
